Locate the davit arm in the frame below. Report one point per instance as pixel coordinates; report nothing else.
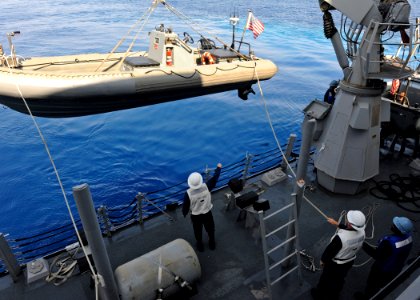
(348, 134)
(359, 11)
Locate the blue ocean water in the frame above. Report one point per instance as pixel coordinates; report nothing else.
(122, 153)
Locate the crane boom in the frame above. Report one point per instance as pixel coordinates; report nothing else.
(359, 11)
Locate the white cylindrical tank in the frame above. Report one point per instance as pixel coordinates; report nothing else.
(139, 278)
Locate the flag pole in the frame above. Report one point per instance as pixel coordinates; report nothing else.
(248, 19)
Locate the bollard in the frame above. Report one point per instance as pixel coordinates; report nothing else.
(289, 149)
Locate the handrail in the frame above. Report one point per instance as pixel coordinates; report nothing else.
(50, 241)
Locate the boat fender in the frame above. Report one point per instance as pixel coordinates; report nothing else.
(418, 125)
(207, 59)
(169, 61)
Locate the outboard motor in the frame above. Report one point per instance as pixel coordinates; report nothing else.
(244, 92)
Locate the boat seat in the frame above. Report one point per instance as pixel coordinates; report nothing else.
(222, 54)
(141, 61)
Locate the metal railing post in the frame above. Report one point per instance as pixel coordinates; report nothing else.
(265, 250)
(297, 240)
(288, 152)
(248, 158)
(140, 197)
(104, 218)
(307, 135)
(9, 258)
(207, 174)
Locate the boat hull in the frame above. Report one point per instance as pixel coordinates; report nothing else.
(50, 94)
(60, 107)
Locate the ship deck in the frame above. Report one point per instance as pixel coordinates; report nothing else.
(235, 270)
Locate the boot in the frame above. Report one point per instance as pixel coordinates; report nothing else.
(200, 246)
(212, 244)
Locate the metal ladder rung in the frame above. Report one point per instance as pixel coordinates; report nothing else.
(283, 260)
(280, 228)
(282, 244)
(278, 211)
(284, 275)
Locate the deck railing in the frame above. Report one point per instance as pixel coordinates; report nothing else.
(139, 209)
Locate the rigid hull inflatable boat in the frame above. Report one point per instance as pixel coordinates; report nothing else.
(76, 85)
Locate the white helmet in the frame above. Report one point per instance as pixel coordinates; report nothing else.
(356, 219)
(195, 180)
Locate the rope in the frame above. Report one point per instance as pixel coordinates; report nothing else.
(309, 260)
(151, 10)
(312, 267)
(65, 266)
(125, 36)
(315, 207)
(270, 121)
(400, 190)
(55, 172)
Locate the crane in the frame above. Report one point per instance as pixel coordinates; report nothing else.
(347, 133)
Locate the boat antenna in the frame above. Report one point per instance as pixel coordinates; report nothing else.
(197, 27)
(248, 19)
(233, 21)
(10, 35)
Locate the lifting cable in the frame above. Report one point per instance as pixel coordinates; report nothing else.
(148, 14)
(97, 277)
(270, 121)
(191, 23)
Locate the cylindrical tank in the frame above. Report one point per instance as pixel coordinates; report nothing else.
(143, 276)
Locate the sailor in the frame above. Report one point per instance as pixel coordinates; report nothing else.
(197, 200)
(390, 256)
(340, 254)
(329, 95)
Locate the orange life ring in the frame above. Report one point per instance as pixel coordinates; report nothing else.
(207, 59)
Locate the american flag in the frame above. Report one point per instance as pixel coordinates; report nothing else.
(255, 25)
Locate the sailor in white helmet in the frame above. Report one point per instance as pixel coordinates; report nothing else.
(340, 254)
(197, 200)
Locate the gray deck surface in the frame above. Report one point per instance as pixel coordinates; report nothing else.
(235, 270)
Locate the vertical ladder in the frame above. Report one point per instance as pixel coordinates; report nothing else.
(264, 235)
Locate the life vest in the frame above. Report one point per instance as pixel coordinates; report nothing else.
(207, 59)
(200, 200)
(395, 86)
(351, 241)
(401, 246)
